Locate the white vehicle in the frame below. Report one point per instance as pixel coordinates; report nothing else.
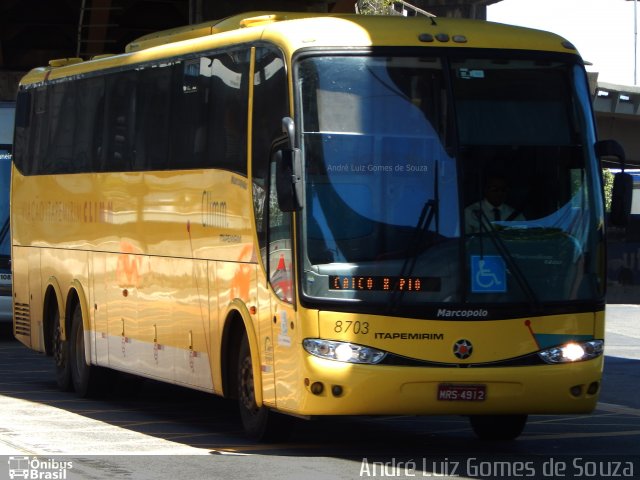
(7, 110)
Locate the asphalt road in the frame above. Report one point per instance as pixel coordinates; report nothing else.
(161, 431)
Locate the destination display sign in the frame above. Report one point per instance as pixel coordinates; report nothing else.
(384, 283)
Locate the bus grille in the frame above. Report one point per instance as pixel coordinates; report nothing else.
(22, 319)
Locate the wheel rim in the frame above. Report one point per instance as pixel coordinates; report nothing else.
(79, 350)
(58, 350)
(247, 393)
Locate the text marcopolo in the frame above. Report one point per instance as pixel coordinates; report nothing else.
(447, 313)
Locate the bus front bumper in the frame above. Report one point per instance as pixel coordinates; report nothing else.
(336, 388)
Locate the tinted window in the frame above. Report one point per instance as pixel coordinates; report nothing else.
(210, 113)
(270, 105)
(181, 114)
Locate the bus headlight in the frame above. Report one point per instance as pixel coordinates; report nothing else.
(573, 352)
(343, 351)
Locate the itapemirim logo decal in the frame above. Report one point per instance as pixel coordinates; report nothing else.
(462, 349)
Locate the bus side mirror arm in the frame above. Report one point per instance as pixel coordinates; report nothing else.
(289, 128)
(288, 179)
(289, 170)
(622, 192)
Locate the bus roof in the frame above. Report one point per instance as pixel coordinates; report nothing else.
(296, 30)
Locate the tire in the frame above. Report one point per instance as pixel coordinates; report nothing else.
(498, 427)
(260, 423)
(60, 352)
(83, 376)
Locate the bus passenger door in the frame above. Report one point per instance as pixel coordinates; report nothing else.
(280, 271)
(270, 95)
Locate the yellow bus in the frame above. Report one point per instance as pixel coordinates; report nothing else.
(273, 208)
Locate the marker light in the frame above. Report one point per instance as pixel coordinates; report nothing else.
(573, 352)
(343, 351)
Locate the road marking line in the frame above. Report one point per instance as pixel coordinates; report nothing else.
(556, 436)
(620, 409)
(7, 447)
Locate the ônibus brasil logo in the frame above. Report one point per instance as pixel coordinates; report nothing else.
(36, 468)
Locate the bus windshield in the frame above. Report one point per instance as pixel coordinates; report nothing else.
(448, 179)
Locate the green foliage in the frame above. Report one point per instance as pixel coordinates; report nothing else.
(374, 7)
(607, 177)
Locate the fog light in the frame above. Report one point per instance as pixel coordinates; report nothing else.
(317, 388)
(593, 388)
(576, 390)
(336, 390)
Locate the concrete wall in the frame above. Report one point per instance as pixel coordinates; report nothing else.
(618, 116)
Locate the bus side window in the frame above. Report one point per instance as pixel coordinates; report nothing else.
(189, 115)
(120, 120)
(153, 116)
(63, 120)
(89, 115)
(270, 105)
(22, 131)
(39, 133)
(229, 109)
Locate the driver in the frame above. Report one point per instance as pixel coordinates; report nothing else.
(492, 207)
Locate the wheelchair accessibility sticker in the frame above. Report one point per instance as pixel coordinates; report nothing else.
(488, 274)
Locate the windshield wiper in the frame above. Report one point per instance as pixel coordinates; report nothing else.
(429, 211)
(486, 225)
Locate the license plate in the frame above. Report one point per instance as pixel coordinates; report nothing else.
(449, 392)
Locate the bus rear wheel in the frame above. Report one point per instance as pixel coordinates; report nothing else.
(260, 423)
(498, 427)
(60, 352)
(80, 371)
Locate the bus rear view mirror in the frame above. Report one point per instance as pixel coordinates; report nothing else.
(621, 199)
(610, 148)
(289, 179)
(622, 182)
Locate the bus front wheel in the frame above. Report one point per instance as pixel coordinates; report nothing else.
(260, 423)
(498, 427)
